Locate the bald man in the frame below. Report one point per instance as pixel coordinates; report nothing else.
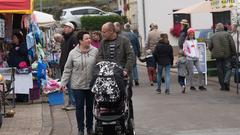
(112, 43)
(117, 48)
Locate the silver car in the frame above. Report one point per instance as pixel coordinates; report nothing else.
(73, 15)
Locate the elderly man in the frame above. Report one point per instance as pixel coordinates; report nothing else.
(70, 41)
(153, 38)
(118, 49)
(222, 46)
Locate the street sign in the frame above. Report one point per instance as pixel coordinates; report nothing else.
(202, 58)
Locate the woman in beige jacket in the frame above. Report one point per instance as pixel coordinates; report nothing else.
(78, 70)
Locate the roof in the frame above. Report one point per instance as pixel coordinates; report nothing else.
(82, 7)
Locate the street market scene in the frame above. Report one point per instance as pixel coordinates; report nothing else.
(119, 67)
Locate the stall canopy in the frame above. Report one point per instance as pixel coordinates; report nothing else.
(16, 6)
(201, 7)
(43, 19)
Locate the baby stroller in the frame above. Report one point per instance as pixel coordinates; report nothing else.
(111, 105)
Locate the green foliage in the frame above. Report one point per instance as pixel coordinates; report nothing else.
(96, 22)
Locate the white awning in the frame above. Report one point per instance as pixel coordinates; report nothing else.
(43, 19)
(201, 7)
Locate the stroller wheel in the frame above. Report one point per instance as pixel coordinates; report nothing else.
(130, 127)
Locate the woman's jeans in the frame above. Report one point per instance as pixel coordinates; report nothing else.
(135, 73)
(167, 76)
(83, 97)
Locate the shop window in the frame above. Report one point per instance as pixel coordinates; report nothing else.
(222, 17)
(178, 17)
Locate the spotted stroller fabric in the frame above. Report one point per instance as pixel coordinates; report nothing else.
(108, 80)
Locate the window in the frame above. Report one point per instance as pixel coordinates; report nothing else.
(222, 17)
(80, 12)
(178, 17)
(93, 11)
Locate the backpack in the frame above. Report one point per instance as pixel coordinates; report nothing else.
(108, 82)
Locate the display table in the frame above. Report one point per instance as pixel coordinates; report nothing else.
(23, 82)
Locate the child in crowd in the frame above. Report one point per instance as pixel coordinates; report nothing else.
(151, 66)
(95, 39)
(182, 70)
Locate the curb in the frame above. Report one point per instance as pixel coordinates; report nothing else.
(47, 121)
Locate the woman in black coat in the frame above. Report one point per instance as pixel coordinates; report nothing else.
(19, 52)
(163, 54)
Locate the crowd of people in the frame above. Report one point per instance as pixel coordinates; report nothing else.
(118, 43)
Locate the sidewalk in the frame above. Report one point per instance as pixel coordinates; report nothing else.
(29, 119)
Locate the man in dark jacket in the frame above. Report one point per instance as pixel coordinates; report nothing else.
(136, 48)
(163, 54)
(118, 49)
(223, 48)
(70, 41)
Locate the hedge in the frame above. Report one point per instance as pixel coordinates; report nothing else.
(91, 23)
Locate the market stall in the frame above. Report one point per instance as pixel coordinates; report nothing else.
(16, 11)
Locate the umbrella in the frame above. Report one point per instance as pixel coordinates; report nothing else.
(201, 7)
(43, 19)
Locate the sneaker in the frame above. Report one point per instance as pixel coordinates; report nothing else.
(163, 80)
(136, 83)
(70, 107)
(227, 88)
(192, 88)
(158, 90)
(90, 132)
(202, 88)
(167, 92)
(183, 89)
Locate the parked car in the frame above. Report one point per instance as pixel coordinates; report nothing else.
(73, 15)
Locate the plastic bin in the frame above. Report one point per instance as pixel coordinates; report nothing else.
(56, 98)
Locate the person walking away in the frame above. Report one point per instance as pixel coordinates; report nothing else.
(78, 70)
(136, 48)
(153, 38)
(183, 33)
(163, 54)
(151, 65)
(70, 41)
(190, 48)
(222, 48)
(182, 70)
(117, 48)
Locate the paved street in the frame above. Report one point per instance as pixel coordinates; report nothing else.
(211, 112)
